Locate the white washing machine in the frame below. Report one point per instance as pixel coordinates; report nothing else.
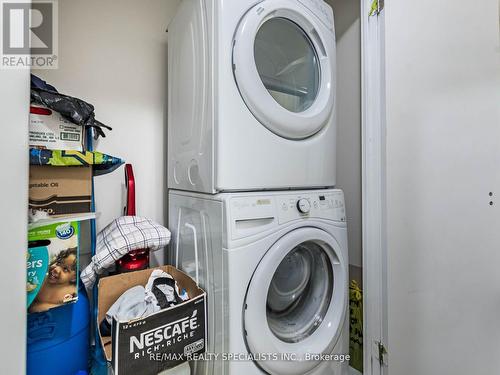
(251, 95)
(275, 268)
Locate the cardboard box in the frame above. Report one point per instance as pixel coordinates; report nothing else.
(60, 190)
(48, 129)
(160, 341)
(52, 265)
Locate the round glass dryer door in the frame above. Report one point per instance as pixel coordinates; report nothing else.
(297, 300)
(283, 67)
(287, 64)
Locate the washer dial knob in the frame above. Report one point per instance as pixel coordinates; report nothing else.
(303, 206)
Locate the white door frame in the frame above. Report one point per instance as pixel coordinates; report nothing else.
(15, 99)
(373, 189)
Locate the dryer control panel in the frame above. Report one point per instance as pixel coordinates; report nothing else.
(318, 205)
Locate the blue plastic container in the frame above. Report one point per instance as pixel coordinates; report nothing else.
(58, 339)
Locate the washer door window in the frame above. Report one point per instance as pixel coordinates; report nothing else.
(300, 293)
(282, 66)
(297, 300)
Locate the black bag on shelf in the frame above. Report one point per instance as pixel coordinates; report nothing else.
(75, 110)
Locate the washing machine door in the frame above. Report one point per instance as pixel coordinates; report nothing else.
(296, 301)
(283, 64)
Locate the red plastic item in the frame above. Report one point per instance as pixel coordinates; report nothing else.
(138, 259)
(129, 209)
(40, 111)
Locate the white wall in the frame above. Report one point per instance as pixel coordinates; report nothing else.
(14, 99)
(113, 54)
(348, 35)
(443, 158)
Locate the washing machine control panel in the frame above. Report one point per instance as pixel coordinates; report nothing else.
(303, 205)
(315, 205)
(251, 215)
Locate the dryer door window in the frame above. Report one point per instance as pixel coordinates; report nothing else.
(296, 301)
(283, 64)
(287, 64)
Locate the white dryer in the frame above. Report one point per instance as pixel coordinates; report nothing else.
(251, 95)
(275, 268)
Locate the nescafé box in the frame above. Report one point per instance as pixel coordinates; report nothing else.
(52, 265)
(159, 341)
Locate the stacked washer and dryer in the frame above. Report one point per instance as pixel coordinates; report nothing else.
(252, 206)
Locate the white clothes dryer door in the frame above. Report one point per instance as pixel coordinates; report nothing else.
(296, 302)
(282, 63)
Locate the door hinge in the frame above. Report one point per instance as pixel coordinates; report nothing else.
(382, 353)
(377, 7)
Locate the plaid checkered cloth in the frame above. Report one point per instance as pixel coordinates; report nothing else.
(122, 235)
